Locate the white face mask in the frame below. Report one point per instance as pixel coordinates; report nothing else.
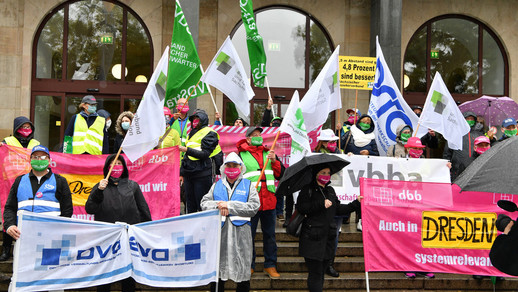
(108, 124)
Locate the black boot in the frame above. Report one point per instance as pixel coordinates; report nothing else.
(332, 272)
(6, 254)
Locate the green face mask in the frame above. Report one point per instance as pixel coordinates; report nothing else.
(256, 141)
(39, 165)
(364, 126)
(510, 133)
(404, 137)
(471, 123)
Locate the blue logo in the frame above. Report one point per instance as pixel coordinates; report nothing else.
(387, 108)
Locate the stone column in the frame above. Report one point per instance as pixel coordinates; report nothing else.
(386, 24)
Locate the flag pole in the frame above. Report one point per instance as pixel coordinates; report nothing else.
(113, 163)
(355, 105)
(269, 94)
(267, 161)
(190, 94)
(339, 130)
(210, 91)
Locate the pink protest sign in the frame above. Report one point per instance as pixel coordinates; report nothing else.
(429, 227)
(157, 173)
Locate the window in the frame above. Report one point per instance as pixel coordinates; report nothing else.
(80, 48)
(469, 56)
(293, 60)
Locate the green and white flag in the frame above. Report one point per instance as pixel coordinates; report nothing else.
(184, 64)
(254, 42)
(293, 124)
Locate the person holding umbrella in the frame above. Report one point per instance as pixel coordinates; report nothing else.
(319, 203)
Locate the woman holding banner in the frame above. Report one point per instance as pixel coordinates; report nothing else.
(319, 203)
(118, 199)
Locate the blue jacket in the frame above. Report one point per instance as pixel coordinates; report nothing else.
(351, 147)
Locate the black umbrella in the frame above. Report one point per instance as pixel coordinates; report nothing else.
(503, 253)
(495, 171)
(301, 173)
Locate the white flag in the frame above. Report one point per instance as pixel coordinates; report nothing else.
(441, 114)
(226, 73)
(293, 124)
(323, 96)
(388, 109)
(148, 124)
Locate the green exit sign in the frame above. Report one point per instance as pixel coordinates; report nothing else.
(107, 39)
(274, 46)
(434, 54)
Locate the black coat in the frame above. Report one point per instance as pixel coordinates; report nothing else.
(461, 159)
(347, 143)
(318, 233)
(123, 202)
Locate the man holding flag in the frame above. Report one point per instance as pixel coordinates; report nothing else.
(254, 154)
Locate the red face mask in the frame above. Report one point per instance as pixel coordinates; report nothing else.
(481, 150)
(232, 172)
(351, 120)
(415, 153)
(24, 132)
(323, 179)
(331, 146)
(183, 109)
(195, 123)
(117, 171)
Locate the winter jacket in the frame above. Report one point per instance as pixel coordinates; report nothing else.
(63, 195)
(268, 199)
(204, 165)
(460, 159)
(90, 119)
(18, 122)
(122, 202)
(398, 149)
(351, 147)
(318, 233)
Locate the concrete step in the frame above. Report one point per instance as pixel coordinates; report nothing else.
(292, 249)
(297, 264)
(395, 281)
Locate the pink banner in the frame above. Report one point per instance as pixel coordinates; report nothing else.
(230, 135)
(429, 227)
(157, 173)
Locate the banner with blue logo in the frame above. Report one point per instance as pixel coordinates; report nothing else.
(387, 107)
(56, 253)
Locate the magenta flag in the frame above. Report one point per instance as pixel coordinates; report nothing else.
(428, 227)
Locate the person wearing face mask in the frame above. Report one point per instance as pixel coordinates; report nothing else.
(254, 155)
(327, 142)
(23, 134)
(460, 159)
(201, 162)
(404, 132)
(417, 109)
(508, 128)
(320, 205)
(238, 201)
(107, 116)
(360, 140)
(482, 144)
(87, 130)
(118, 199)
(170, 137)
(122, 126)
(39, 191)
(180, 121)
(354, 116)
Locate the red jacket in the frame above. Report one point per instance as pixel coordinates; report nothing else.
(267, 198)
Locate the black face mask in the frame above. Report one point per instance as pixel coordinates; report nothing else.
(276, 124)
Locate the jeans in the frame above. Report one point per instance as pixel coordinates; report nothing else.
(268, 220)
(316, 271)
(279, 208)
(195, 189)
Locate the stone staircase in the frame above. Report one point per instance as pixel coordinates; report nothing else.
(349, 262)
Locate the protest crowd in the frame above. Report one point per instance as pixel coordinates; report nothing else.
(250, 186)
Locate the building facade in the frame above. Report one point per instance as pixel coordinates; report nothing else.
(54, 52)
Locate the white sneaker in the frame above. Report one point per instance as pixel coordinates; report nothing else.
(359, 225)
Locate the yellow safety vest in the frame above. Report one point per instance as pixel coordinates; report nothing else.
(182, 134)
(195, 142)
(12, 141)
(253, 170)
(89, 140)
